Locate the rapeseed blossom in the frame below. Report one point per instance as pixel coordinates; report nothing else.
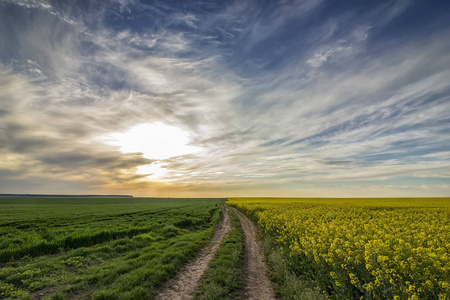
(369, 248)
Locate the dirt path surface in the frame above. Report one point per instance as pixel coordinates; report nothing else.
(257, 284)
(184, 285)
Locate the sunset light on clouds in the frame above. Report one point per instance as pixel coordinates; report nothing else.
(225, 98)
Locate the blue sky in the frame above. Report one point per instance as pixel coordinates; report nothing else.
(225, 98)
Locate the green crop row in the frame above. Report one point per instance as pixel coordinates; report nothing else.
(127, 254)
(38, 236)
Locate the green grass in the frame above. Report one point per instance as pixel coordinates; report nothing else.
(290, 286)
(224, 278)
(100, 248)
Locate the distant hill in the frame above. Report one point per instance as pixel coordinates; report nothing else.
(59, 196)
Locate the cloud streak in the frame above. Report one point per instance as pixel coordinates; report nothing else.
(296, 99)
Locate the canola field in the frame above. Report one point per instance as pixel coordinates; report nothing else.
(360, 248)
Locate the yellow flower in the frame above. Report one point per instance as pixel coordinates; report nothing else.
(381, 242)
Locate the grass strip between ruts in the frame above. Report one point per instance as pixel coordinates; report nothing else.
(224, 277)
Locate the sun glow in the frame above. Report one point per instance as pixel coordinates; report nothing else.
(156, 141)
(153, 170)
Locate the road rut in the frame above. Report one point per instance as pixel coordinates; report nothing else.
(257, 284)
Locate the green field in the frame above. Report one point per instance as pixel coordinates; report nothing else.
(102, 248)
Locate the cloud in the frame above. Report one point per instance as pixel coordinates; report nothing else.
(341, 50)
(189, 20)
(276, 99)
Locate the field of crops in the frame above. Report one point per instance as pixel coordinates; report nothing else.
(118, 248)
(360, 248)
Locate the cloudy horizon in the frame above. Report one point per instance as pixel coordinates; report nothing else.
(308, 98)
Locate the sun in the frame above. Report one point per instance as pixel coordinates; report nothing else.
(156, 141)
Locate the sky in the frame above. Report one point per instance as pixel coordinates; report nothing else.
(308, 98)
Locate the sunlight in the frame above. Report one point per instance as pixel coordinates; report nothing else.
(155, 141)
(154, 170)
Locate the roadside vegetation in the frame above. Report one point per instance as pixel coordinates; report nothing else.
(290, 285)
(99, 248)
(224, 277)
(355, 248)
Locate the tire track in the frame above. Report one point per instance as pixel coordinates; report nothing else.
(257, 284)
(183, 287)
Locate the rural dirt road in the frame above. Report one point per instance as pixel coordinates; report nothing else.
(257, 284)
(183, 287)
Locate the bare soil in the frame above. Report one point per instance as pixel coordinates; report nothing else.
(41, 294)
(183, 287)
(257, 284)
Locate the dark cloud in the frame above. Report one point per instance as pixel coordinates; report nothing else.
(12, 183)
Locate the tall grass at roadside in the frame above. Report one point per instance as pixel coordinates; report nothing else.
(290, 286)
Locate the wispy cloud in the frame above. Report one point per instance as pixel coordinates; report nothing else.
(295, 98)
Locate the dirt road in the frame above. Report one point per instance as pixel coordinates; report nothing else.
(184, 285)
(257, 284)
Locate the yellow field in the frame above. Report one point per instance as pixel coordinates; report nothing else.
(361, 248)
